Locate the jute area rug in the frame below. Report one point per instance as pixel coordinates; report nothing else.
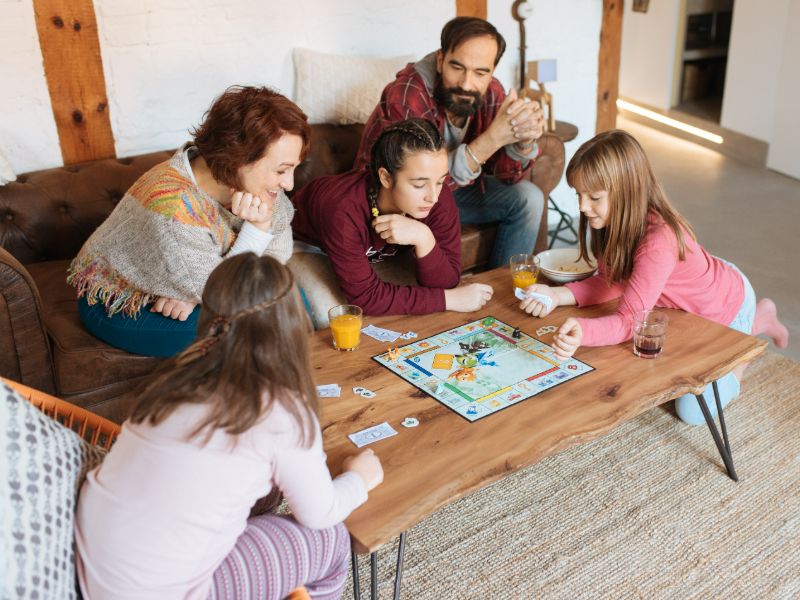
(645, 512)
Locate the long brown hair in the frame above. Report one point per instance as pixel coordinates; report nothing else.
(613, 161)
(251, 352)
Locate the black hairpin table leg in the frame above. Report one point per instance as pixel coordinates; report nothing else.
(723, 445)
(373, 567)
(356, 581)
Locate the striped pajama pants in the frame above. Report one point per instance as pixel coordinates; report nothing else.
(276, 554)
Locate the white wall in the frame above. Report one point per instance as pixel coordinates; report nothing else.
(28, 136)
(569, 31)
(783, 155)
(647, 60)
(165, 60)
(754, 62)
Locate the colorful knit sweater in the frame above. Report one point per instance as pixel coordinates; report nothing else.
(163, 239)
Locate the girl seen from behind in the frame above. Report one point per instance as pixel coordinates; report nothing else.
(215, 429)
(647, 256)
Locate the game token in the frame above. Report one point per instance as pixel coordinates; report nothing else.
(488, 321)
(517, 334)
(394, 354)
(363, 392)
(545, 330)
(409, 422)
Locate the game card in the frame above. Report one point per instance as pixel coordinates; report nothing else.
(442, 361)
(331, 390)
(372, 434)
(380, 334)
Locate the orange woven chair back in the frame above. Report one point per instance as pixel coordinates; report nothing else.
(93, 428)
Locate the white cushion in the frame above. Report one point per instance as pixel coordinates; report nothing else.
(339, 89)
(42, 466)
(6, 172)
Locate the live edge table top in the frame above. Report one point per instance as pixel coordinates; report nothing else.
(447, 457)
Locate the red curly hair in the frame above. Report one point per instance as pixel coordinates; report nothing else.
(241, 125)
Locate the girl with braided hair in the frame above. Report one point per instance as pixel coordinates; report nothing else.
(216, 428)
(399, 205)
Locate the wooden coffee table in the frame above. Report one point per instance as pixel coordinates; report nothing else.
(446, 457)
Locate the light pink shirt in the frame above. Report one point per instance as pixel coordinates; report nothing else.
(701, 284)
(160, 514)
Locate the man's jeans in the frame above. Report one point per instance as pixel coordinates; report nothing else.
(517, 208)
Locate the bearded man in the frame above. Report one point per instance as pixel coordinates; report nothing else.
(490, 136)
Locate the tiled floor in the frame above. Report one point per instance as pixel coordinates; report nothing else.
(749, 216)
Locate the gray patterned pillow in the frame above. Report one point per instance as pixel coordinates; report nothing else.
(42, 466)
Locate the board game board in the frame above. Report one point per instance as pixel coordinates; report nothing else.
(479, 368)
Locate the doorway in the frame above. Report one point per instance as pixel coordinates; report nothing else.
(706, 29)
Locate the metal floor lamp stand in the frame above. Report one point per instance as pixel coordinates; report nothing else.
(565, 223)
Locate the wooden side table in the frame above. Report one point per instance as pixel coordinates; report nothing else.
(566, 132)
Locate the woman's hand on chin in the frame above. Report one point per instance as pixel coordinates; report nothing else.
(253, 209)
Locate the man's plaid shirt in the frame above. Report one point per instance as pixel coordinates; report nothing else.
(408, 97)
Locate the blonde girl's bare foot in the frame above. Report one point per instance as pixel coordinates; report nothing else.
(766, 322)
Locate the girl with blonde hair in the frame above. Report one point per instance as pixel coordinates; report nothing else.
(647, 256)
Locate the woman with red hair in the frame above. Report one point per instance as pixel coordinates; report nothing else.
(141, 274)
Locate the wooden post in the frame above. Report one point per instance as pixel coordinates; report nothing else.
(471, 8)
(608, 65)
(74, 71)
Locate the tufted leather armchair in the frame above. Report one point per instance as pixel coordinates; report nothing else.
(45, 217)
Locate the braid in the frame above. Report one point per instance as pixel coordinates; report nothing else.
(397, 140)
(414, 128)
(221, 324)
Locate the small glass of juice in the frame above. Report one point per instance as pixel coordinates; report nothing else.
(345, 321)
(649, 330)
(524, 270)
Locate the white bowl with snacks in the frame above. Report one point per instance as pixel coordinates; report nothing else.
(562, 265)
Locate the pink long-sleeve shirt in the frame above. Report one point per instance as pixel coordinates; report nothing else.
(701, 284)
(160, 514)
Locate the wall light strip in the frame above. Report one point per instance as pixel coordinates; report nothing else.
(706, 135)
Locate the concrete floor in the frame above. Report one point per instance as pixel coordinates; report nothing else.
(747, 215)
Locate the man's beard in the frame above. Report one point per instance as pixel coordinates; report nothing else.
(458, 107)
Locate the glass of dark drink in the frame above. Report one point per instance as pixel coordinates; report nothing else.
(649, 329)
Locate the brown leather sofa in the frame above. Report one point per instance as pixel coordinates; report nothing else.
(45, 217)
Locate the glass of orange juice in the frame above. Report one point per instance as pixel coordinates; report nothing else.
(345, 322)
(524, 270)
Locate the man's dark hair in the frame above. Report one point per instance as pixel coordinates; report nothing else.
(459, 30)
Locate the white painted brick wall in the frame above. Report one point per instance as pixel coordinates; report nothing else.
(166, 60)
(28, 136)
(569, 31)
